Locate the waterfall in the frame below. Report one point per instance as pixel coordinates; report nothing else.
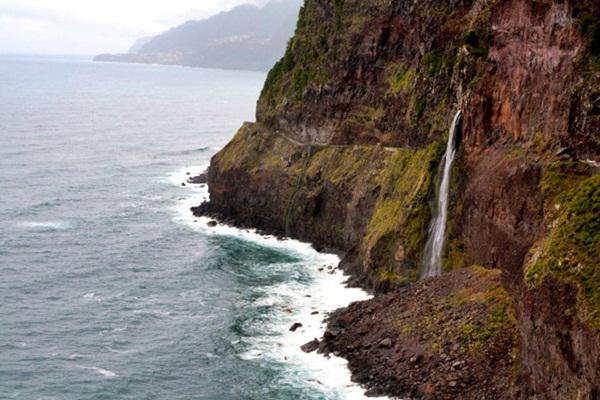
(432, 259)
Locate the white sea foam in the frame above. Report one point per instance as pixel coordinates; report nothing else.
(92, 296)
(294, 302)
(47, 225)
(104, 372)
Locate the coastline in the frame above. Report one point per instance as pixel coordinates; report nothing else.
(435, 338)
(312, 307)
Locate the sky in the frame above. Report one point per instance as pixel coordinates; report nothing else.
(90, 27)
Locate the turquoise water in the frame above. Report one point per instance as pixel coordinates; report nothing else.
(109, 288)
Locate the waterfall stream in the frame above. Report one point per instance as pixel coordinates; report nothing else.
(432, 259)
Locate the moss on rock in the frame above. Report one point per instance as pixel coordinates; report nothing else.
(397, 232)
(571, 251)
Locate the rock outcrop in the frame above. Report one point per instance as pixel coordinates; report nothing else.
(351, 128)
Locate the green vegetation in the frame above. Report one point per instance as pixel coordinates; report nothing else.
(433, 61)
(477, 312)
(571, 252)
(398, 229)
(559, 179)
(303, 65)
(475, 334)
(367, 116)
(391, 278)
(400, 78)
(420, 108)
(488, 292)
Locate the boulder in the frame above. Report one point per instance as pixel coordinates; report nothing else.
(310, 346)
(295, 327)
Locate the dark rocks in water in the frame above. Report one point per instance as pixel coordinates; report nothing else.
(199, 179)
(295, 327)
(212, 224)
(310, 346)
(331, 334)
(183, 184)
(314, 313)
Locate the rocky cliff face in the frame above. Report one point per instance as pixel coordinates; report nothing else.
(351, 127)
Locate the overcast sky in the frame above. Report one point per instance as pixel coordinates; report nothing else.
(90, 27)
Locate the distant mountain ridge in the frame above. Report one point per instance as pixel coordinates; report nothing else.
(139, 44)
(246, 37)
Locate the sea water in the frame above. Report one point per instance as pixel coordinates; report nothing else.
(109, 287)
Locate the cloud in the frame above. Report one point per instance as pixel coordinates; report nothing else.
(95, 26)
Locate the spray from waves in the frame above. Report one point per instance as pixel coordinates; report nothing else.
(293, 301)
(47, 226)
(104, 372)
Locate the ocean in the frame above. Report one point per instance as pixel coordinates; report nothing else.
(109, 287)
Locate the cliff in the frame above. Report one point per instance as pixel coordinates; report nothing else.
(245, 37)
(351, 126)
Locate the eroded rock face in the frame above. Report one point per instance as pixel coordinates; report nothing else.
(351, 127)
(560, 355)
(529, 85)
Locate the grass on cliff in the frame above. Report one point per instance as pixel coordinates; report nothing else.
(571, 252)
(491, 293)
(400, 77)
(473, 315)
(398, 229)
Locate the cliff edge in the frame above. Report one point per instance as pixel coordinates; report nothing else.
(351, 127)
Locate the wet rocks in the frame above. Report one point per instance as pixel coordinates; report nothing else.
(199, 179)
(310, 346)
(417, 341)
(331, 333)
(295, 327)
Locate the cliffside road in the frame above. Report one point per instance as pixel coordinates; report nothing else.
(327, 145)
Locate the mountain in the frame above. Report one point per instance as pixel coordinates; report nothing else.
(246, 37)
(352, 128)
(139, 44)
